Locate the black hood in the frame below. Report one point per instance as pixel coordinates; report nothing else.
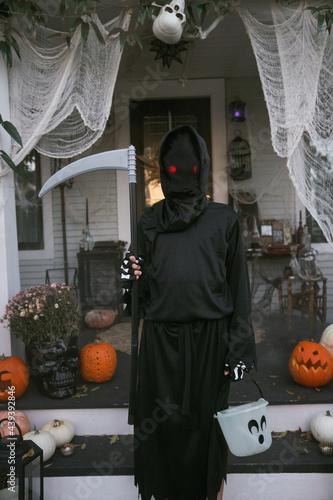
(184, 167)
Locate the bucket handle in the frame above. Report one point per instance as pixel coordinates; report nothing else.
(257, 385)
(228, 379)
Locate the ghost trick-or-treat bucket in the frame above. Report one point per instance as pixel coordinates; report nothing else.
(246, 427)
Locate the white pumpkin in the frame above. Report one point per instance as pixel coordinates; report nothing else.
(61, 430)
(322, 427)
(44, 440)
(327, 339)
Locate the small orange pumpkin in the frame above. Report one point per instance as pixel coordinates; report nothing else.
(14, 373)
(100, 318)
(311, 364)
(98, 361)
(20, 418)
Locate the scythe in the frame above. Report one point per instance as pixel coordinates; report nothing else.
(118, 159)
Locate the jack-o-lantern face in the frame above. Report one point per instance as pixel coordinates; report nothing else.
(13, 374)
(311, 364)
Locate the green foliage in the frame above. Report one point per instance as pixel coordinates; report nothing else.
(324, 15)
(12, 131)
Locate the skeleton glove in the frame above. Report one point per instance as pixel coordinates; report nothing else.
(238, 372)
(127, 271)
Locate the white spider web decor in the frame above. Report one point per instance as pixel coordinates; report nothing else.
(60, 97)
(296, 70)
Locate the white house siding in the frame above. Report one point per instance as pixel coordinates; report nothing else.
(103, 227)
(279, 201)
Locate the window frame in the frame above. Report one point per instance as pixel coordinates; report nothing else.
(48, 251)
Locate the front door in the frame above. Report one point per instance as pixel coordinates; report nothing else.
(149, 122)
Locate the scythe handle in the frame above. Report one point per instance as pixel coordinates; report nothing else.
(135, 288)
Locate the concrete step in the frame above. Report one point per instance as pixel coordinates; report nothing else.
(292, 468)
(114, 420)
(317, 486)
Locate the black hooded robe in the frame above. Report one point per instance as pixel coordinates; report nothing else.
(196, 302)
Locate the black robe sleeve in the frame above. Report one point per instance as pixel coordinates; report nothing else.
(241, 335)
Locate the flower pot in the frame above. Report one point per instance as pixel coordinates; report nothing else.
(54, 366)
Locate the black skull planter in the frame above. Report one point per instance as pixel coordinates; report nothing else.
(55, 366)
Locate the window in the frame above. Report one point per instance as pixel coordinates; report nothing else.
(29, 214)
(317, 235)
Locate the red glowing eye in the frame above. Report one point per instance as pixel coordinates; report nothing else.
(195, 169)
(172, 169)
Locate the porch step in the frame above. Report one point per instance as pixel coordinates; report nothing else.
(103, 465)
(317, 486)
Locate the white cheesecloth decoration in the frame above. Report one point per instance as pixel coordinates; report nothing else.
(296, 69)
(60, 97)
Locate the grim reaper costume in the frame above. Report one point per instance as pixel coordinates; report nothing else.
(195, 297)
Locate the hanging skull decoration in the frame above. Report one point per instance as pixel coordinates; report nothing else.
(55, 367)
(169, 24)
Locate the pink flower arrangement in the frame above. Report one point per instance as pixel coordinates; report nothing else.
(43, 313)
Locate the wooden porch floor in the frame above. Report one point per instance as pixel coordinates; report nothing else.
(275, 342)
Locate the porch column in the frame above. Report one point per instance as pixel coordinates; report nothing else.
(9, 262)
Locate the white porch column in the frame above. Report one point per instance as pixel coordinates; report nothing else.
(9, 262)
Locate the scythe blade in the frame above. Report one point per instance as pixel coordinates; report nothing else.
(108, 160)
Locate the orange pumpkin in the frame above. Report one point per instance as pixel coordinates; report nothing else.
(98, 362)
(14, 374)
(311, 364)
(21, 419)
(100, 318)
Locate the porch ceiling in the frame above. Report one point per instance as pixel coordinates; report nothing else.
(225, 53)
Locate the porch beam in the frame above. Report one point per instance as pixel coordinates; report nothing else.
(9, 261)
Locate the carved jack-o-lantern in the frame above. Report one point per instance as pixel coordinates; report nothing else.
(14, 377)
(310, 364)
(169, 24)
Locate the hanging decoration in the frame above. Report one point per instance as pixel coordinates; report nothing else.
(169, 24)
(295, 64)
(239, 158)
(237, 110)
(54, 101)
(168, 53)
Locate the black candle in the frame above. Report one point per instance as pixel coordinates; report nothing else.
(87, 214)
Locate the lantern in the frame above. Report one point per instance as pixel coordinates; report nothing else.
(237, 110)
(21, 467)
(239, 159)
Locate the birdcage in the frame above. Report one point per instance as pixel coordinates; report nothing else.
(239, 159)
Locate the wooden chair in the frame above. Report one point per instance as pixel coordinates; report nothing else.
(307, 296)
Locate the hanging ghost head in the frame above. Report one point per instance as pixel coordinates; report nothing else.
(169, 24)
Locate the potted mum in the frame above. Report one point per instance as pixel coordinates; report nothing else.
(47, 319)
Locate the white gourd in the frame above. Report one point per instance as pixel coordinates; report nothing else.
(322, 427)
(327, 339)
(62, 430)
(44, 440)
